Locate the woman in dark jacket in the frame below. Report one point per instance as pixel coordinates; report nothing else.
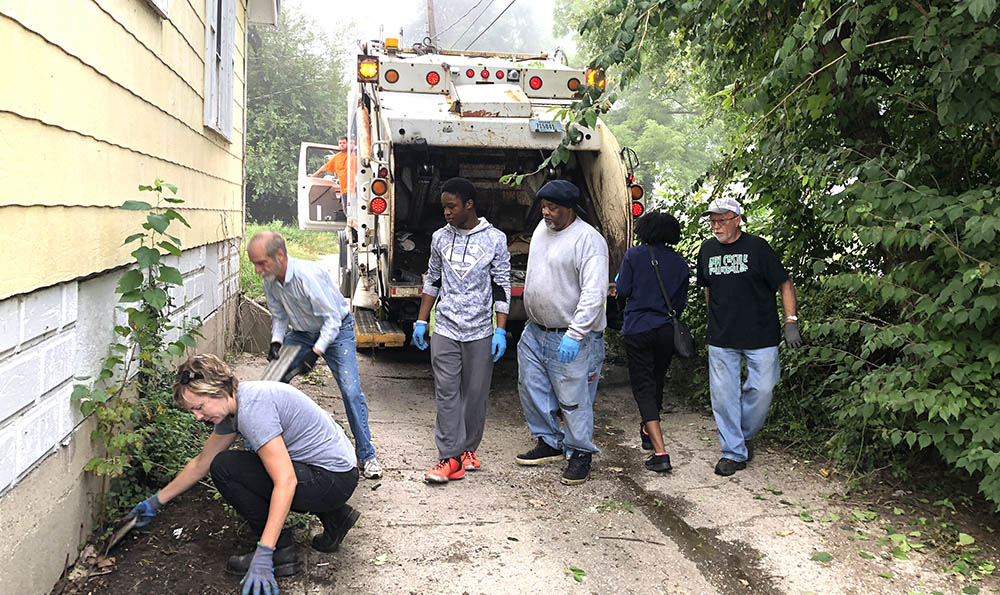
(648, 328)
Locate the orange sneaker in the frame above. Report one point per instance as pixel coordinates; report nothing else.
(470, 461)
(445, 471)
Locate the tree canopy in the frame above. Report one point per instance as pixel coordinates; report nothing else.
(865, 138)
(295, 93)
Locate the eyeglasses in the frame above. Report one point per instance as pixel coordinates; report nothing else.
(720, 222)
(186, 376)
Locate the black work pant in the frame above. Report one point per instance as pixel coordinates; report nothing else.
(241, 478)
(649, 355)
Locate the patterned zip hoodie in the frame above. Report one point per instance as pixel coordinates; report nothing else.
(468, 271)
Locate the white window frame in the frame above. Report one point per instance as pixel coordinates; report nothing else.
(220, 42)
(160, 6)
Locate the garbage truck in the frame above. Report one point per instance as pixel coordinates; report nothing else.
(420, 116)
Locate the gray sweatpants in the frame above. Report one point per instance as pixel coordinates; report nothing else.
(463, 371)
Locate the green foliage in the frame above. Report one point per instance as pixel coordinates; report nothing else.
(120, 396)
(866, 136)
(307, 245)
(295, 93)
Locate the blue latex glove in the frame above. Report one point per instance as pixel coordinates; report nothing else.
(146, 510)
(260, 577)
(568, 348)
(419, 334)
(499, 343)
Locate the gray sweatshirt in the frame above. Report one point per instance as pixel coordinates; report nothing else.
(468, 271)
(567, 279)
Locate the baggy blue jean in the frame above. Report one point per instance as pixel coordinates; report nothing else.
(341, 356)
(547, 386)
(740, 411)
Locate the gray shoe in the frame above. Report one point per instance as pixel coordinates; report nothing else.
(371, 469)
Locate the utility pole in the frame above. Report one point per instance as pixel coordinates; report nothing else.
(431, 29)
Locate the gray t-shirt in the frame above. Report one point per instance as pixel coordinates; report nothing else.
(267, 409)
(567, 280)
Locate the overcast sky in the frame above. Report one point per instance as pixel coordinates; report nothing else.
(389, 15)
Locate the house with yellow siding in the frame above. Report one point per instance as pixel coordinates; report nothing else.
(98, 97)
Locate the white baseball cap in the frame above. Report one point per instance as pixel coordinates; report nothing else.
(723, 205)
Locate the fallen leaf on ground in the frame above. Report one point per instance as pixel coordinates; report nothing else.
(786, 532)
(822, 557)
(380, 559)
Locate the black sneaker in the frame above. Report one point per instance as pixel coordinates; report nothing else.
(542, 453)
(749, 445)
(336, 524)
(726, 467)
(578, 469)
(659, 463)
(285, 558)
(647, 444)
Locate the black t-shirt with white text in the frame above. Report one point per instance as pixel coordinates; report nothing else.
(742, 279)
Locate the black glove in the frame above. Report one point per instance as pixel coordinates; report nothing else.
(792, 337)
(272, 353)
(303, 367)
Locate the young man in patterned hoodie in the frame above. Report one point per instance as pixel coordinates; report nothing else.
(468, 274)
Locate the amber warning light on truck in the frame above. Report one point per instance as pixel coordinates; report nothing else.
(367, 69)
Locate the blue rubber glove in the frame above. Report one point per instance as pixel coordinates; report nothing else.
(419, 334)
(146, 510)
(568, 348)
(499, 343)
(260, 576)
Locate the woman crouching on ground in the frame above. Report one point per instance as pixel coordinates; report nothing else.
(296, 458)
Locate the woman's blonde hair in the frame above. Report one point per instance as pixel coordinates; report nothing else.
(206, 375)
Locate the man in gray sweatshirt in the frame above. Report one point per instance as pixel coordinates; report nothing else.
(561, 351)
(468, 274)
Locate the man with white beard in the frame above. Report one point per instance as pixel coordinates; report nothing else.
(561, 351)
(303, 299)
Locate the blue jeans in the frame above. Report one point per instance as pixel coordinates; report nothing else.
(341, 356)
(740, 411)
(547, 386)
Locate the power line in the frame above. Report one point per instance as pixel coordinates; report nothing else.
(491, 24)
(455, 43)
(446, 29)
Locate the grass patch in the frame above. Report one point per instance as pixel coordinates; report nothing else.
(307, 245)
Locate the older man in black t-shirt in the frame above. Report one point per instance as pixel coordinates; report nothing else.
(741, 273)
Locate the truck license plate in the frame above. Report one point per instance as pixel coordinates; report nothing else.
(545, 126)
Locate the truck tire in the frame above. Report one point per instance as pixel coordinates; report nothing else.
(343, 245)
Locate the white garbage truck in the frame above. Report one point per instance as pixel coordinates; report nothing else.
(421, 116)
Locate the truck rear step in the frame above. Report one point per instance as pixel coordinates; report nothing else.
(371, 332)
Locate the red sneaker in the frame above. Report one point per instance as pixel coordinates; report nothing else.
(470, 461)
(445, 471)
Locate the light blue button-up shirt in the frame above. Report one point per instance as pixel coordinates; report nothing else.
(307, 301)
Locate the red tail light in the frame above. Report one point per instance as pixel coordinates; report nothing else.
(378, 205)
(470, 73)
(433, 78)
(535, 83)
(637, 209)
(485, 74)
(499, 74)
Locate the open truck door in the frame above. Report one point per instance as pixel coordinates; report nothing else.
(320, 206)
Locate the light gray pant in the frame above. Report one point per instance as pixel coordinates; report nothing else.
(463, 371)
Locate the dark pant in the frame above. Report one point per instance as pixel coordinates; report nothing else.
(649, 354)
(241, 478)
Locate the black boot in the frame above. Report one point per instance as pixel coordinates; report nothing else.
(286, 558)
(336, 524)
